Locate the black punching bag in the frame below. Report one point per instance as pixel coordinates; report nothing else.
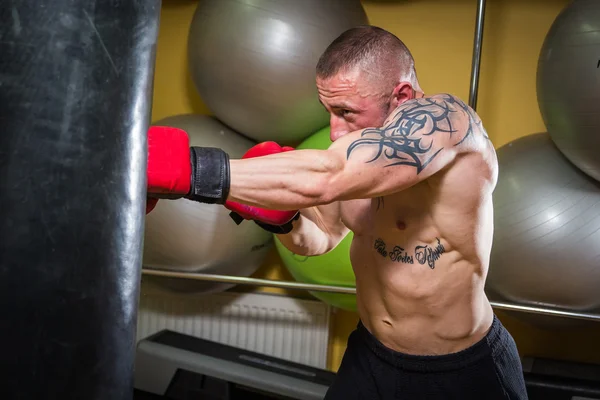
(75, 100)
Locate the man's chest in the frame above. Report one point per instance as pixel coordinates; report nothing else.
(401, 211)
(358, 215)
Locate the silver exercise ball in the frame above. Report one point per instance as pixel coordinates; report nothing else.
(546, 249)
(186, 236)
(253, 62)
(568, 84)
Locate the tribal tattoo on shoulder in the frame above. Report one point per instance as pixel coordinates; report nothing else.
(423, 254)
(411, 136)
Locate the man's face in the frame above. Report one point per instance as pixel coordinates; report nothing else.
(352, 102)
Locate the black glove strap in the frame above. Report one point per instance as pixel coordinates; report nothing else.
(210, 175)
(237, 218)
(279, 229)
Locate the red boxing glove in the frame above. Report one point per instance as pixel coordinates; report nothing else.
(176, 170)
(276, 221)
(266, 148)
(169, 167)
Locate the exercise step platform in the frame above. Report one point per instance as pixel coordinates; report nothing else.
(548, 379)
(175, 366)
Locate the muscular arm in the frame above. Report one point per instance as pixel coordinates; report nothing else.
(422, 137)
(318, 230)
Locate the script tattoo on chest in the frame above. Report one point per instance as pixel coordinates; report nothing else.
(428, 254)
(412, 136)
(423, 254)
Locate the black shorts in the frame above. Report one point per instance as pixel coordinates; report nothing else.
(489, 370)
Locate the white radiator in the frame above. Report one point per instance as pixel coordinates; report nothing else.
(288, 328)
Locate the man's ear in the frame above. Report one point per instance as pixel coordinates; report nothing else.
(402, 92)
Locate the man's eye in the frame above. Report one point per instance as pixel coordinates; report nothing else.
(345, 112)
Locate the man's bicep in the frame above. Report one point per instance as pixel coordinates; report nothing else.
(421, 138)
(381, 149)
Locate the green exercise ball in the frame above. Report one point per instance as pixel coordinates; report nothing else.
(333, 268)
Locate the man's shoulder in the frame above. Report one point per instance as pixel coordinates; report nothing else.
(451, 102)
(434, 104)
(441, 114)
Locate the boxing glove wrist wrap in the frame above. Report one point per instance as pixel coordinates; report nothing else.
(210, 178)
(279, 229)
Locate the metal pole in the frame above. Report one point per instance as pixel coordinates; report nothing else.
(350, 290)
(545, 311)
(240, 280)
(477, 54)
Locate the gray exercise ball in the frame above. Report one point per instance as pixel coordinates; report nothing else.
(546, 248)
(568, 84)
(253, 62)
(187, 236)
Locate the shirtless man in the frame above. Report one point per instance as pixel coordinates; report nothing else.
(411, 175)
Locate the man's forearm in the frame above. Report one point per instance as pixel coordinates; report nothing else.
(316, 232)
(286, 181)
(305, 239)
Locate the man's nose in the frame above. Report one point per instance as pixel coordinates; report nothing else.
(338, 127)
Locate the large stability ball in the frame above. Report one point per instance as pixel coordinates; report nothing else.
(546, 249)
(568, 84)
(333, 268)
(253, 62)
(187, 236)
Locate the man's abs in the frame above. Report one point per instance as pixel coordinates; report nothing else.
(420, 260)
(416, 304)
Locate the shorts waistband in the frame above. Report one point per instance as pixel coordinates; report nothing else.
(493, 341)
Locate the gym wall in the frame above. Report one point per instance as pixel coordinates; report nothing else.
(440, 35)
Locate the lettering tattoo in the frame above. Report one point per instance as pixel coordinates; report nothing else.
(424, 254)
(412, 136)
(429, 255)
(400, 255)
(380, 247)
